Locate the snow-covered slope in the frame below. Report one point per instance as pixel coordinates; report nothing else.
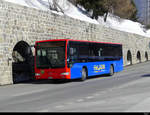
(74, 12)
(116, 22)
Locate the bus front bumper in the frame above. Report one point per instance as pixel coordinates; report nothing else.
(52, 74)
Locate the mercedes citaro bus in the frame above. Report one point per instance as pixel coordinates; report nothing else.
(76, 59)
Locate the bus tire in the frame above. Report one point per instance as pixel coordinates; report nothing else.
(111, 73)
(84, 74)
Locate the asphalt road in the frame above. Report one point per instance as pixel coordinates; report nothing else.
(127, 91)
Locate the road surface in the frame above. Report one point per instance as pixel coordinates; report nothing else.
(126, 91)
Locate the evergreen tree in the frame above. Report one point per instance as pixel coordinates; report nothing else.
(96, 6)
(122, 8)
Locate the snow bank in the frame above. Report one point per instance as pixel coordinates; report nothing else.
(74, 12)
(38, 4)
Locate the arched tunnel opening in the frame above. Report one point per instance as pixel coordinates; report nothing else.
(23, 62)
(129, 58)
(146, 56)
(138, 57)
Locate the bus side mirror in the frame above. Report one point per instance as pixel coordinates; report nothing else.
(32, 46)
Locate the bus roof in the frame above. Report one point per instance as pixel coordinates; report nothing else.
(76, 40)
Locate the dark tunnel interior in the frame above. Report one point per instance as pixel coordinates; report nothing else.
(23, 62)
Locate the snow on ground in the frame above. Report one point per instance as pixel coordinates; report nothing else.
(74, 12)
(148, 33)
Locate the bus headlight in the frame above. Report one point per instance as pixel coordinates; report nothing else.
(65, 73)
(37, 74)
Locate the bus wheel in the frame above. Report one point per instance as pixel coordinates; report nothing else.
(111, 70)
(84, 74)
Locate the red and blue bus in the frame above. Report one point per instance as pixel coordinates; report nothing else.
(76, 59)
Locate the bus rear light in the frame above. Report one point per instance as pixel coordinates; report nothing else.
(65, 73)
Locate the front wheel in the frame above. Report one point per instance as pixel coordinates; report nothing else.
(111, 70)
(84, 74)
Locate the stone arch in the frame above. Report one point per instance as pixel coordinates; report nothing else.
(138, 57)
(22, 66)
(129, 58)
(146, 56)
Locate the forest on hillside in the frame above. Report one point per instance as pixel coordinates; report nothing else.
(122, 8)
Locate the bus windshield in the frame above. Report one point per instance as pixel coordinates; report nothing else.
(50, 55)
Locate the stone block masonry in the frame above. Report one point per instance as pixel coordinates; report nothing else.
(20, 23)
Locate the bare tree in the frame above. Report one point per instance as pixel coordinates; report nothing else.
(55, 6)
(50, 6)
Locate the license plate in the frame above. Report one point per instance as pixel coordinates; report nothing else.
(50, 77)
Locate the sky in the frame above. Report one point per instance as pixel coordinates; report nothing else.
(137, 2)
(139, 7)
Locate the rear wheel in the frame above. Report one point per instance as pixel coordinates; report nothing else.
(84, 74)
(111, 70)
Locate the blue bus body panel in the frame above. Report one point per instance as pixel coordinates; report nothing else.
(96, 68)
